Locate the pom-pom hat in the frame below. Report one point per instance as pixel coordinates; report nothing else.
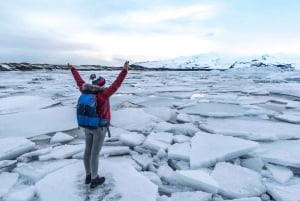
(99, 81)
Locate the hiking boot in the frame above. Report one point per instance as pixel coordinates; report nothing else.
(88, 179)
(98, 181)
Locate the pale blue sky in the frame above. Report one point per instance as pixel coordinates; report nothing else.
(110, 31)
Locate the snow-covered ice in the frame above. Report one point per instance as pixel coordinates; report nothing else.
(238, 182)
(12, 147)
(133, 119)
(60, 137)
(290, 192)
(284, 152)
(132, 139)
(180, 151)
(8, 180)
(72, 179)
(61, 152)
(36, 122)
(280, 174)
(241, 124)
(16, 104)
(216, 110)
(36, 170)
(262, 130)
(198, 179)
(191, 196)
(208, 149)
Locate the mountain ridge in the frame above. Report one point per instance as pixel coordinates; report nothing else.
(202, 62)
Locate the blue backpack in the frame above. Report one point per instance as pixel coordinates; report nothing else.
(87, 116)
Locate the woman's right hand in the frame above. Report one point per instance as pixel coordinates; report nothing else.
(69, 66)
(126, 65)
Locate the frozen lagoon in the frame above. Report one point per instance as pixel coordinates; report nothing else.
(180, 137)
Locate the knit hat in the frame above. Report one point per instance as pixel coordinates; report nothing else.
(99, 81)
(92, 76)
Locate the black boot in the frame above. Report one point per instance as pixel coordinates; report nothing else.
(88, 179)
(98, 181)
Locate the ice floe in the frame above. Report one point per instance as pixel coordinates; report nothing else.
(261, 130)
(36, 122)
(208, 149)
(238, 182)
(284, 152)
(12, 147)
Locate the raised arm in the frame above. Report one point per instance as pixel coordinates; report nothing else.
(77, 77)
(118, 81)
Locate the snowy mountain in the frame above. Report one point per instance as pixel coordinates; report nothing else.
(217, 62)
(204, 62)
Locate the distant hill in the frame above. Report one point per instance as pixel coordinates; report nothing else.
(216, 62)
(203, 62)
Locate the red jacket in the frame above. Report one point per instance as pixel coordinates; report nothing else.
(103, 96)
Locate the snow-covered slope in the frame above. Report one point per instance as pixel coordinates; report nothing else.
(214, 61)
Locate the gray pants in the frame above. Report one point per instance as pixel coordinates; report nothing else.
(93, 143)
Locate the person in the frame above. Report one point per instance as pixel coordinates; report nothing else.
(94, 137)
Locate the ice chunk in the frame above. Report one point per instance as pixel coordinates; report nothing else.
(291, 118)
(181, 138)
(133, 119)
(6, 163)
(255, 163)
(142, 159)
(161, 136)
(15, 104)
(12, 147)
(167, 174)
(191, 196)
(162, 153)
(185, 129)
(252, 129)
(184, 118)
(72, 179)
(163, 198)
(36, 170)
(155, 144)
(197, 179)
(25, 194)
(225, 148)
(289, 192)
(179, 151)
(123, 159)
(152, 177)
(8, 180)
(215, 110)
(114, 151)
(238, 182)
(286, 152)
(246, 199)
(26, 157)
(48, 188)
(61, 152)
(280, 174)
(60, 137)
(163, 113)
(133, 139)
(32, 123)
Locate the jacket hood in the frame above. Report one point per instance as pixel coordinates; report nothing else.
(91, 88)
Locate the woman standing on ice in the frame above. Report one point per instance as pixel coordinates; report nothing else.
(94, 137)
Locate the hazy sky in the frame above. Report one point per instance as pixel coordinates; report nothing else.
(110, 31)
